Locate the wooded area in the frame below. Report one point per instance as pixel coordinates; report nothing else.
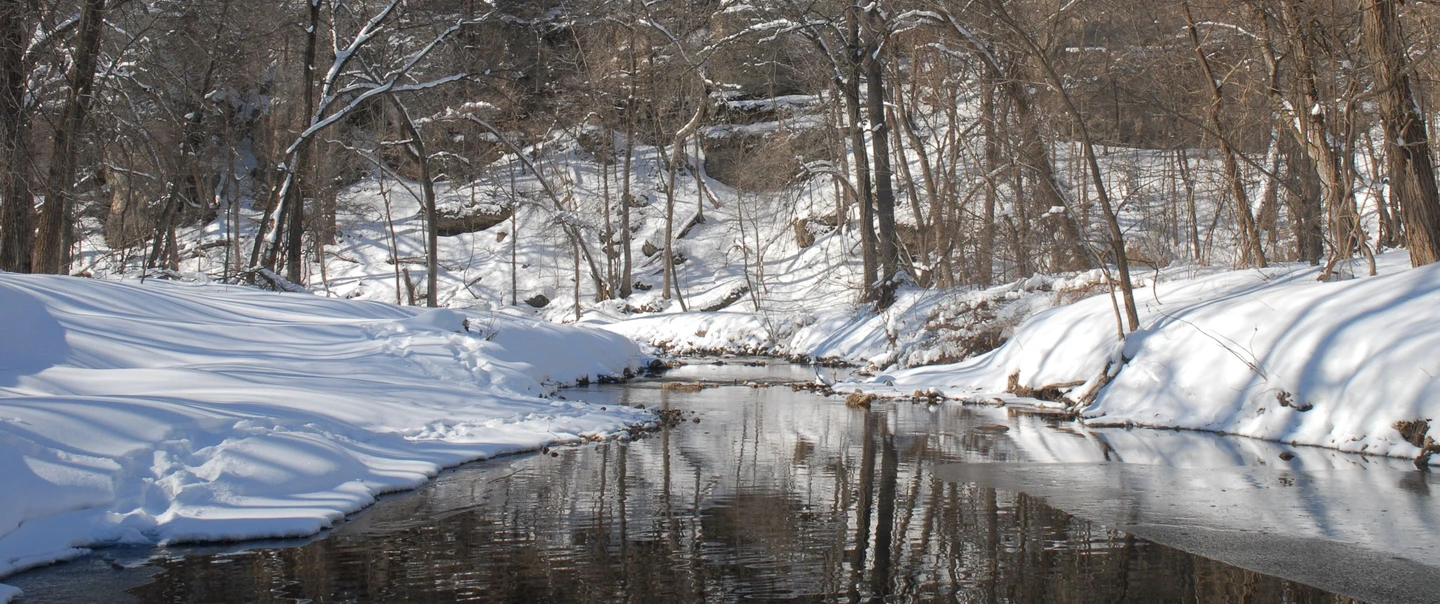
(965, 142)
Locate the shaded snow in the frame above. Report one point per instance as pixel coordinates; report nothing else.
(160, 412)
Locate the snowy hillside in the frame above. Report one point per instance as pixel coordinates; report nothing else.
(157, 412)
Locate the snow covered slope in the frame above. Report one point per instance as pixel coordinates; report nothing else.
(160, 412)
(1270, 354)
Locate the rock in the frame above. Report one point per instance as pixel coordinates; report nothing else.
(803, 237)
(449, 223)
(538, 301)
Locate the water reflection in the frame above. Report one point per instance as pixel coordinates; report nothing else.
(773, 496)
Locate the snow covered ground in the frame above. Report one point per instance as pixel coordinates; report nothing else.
(1270, 354)
(162, 412)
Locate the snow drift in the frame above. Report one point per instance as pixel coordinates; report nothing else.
(165, 412)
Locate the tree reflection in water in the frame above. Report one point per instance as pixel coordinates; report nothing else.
(776, 496)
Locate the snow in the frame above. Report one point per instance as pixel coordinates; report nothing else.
(699, 333)
(163, 412)
(1270, 354)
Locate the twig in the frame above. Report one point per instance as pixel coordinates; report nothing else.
(1253, 364)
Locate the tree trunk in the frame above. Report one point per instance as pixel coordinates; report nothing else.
(1302, 201)
(17, 204)
(677, 154)
(1193, 230)
(51, 242)
(912, 194)
(295, 205)
(862, 160)
(1067, 253)
(416, 148)
(880, 154)
(607, 166)
(627, 276)
(668, 252)
(1407, 147)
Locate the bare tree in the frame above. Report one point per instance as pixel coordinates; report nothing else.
(875, 37)
(1252, 250)
(1057, 84)
(414, 145)
(342, 92)
(1407, 143)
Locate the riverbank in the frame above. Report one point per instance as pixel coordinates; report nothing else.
(756, 499)
(164, 412)
(1270, 354)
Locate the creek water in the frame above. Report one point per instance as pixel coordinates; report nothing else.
(776, 495)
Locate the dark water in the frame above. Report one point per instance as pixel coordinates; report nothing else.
(772, 496)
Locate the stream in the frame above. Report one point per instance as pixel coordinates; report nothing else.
(776, 495)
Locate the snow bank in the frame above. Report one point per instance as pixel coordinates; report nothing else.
(700, 332)
(1271, 354)
(165, 412)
